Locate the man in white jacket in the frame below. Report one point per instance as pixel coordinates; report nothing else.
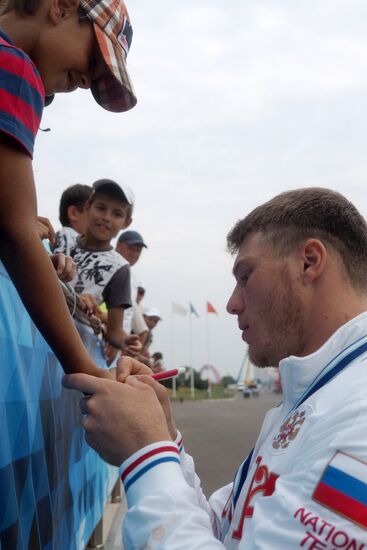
(300, 299)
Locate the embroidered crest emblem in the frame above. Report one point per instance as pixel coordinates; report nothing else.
(289, 430)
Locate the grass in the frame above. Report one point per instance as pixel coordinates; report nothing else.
(218, 392)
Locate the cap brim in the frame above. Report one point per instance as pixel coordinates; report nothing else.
(134, 243)
(113, 187)
(114, 90)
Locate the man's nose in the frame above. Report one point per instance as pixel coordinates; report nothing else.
(235, 303)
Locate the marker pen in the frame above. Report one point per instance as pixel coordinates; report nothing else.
(164, 375)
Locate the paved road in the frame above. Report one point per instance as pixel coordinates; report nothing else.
(220, 433)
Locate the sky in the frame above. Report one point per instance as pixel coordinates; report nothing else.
(238, 100)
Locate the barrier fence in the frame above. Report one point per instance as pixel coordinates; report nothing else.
(53, 487)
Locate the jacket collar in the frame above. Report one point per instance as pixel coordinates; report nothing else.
(298, 373)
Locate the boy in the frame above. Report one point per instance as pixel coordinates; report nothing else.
(48, 47)
(72, 214)
(101, 271)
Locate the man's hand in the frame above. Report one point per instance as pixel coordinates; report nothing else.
(45, 229)
(132, 345)
(65, 266)
(127, 366)
(120, 418)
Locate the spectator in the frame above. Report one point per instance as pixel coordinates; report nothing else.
(130, 245)
(157, 362)
(102, 274)
(48, 47)
(72, 212)
(140, 294)
(152, 316)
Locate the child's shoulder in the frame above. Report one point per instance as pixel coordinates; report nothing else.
(109, 260)
(65, 238)
(114, 258)
(13, 58)
(21, 90)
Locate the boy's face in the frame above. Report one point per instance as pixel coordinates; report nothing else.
(106, 216)
(66, 53)
(77, 219)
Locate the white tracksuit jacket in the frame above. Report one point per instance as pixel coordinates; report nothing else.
(306, 486)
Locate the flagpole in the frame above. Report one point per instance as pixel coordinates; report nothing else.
(173, 351)
(192, 386)
(207, 338)
(208, 351)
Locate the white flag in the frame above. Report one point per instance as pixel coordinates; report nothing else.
(179, 309)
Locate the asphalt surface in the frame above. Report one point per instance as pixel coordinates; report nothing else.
(220, 433)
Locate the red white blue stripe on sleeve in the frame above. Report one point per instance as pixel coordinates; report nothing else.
(179, 442)
(343, 488)
(150, 457)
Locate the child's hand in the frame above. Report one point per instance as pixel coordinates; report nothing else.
(89, 304)
(132, 345)
(45, 229)
(64, 265)
(109, 353)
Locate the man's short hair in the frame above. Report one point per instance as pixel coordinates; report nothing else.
(313, 212)
(75, 195)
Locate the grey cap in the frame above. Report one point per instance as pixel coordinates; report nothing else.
(126, 194)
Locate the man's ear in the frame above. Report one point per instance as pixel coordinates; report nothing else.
(61, 9)
(314, 255)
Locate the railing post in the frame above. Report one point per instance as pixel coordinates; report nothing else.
(96, 540)
(116, 494)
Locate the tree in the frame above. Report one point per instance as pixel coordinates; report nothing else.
(228, 380)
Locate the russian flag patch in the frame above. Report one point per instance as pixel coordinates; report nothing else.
(343, 488)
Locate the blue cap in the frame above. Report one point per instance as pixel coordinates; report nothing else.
(131, 237)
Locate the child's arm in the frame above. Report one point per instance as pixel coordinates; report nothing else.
(117, 337)
(45, 229)
(29, 265)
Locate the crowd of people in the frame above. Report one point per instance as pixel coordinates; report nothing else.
(300, 299)
(107, 287)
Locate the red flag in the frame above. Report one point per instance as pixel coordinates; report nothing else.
(210, 308)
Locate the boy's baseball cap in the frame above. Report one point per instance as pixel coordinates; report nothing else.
(113, 90)
(126, 194)
(131, 237)
(114, 34)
